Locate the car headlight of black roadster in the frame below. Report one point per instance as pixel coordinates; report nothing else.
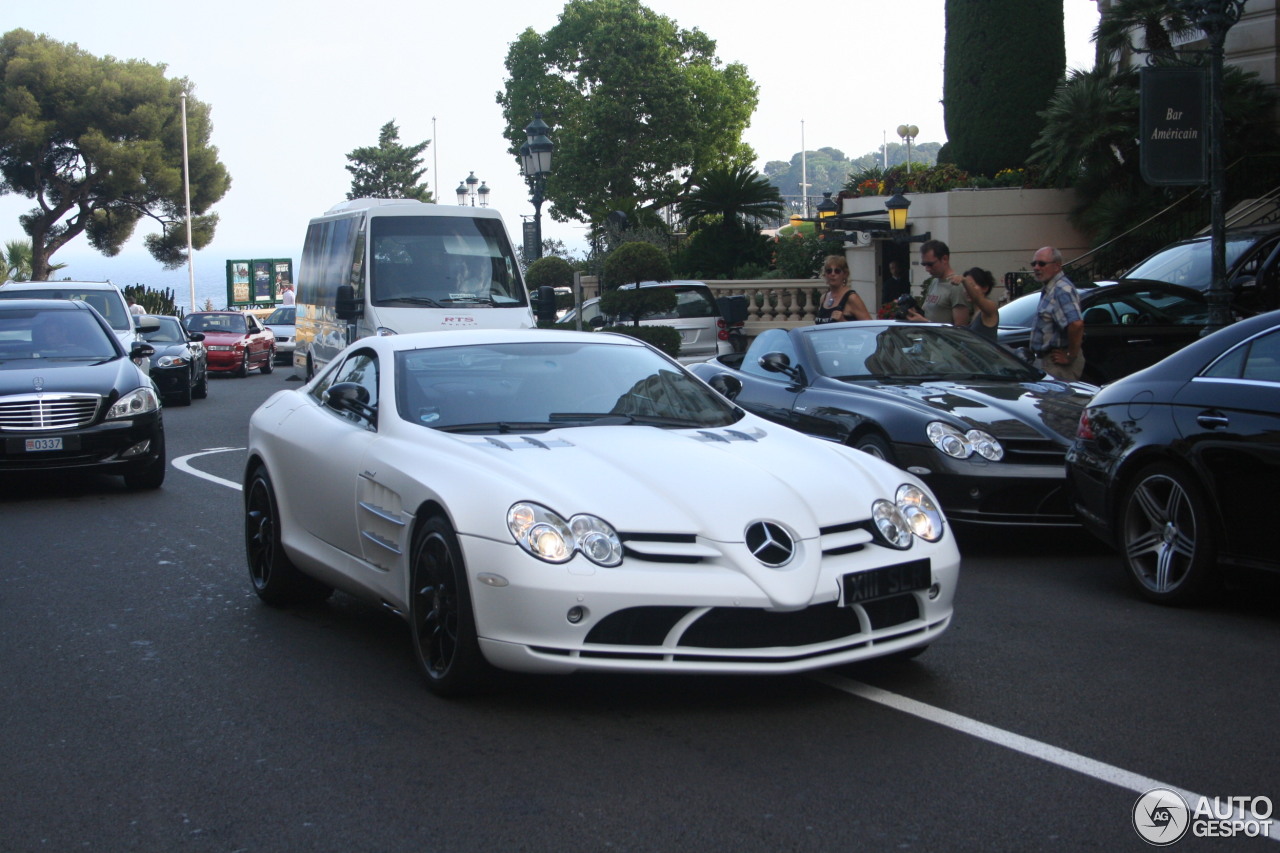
(962, 445)
(912, 513)
(548, 536)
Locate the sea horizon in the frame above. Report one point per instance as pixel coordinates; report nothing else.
(133, 267)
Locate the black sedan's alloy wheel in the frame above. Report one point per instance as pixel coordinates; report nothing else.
(1165, 535)
(440, 615)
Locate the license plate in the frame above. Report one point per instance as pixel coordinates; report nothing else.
(886, 581)
(35, 445)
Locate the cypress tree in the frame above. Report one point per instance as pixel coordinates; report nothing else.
(1003, 60)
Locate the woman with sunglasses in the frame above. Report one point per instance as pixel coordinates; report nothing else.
(840, 302)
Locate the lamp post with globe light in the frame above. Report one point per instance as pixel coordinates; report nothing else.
(908, 132)
(535, 159)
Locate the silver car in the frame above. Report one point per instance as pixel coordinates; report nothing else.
(281, 325)
(703, 332)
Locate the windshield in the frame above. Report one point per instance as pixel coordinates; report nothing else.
(1021, 311)
(54, 335)
(540, 386)
(1189, 264)
(108, 303)
(852, 351)
(226, 323)
(282, 316)
(170, 331)
(438, 261)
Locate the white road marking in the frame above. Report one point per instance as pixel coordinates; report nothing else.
(1027, 746)
(182, 464)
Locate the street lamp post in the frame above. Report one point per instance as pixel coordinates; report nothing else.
(908, 132)
(468, 192)
(535, 159)
(1214, 18)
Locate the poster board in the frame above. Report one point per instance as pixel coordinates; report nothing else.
(255, 282)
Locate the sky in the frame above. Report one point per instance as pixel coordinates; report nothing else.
(295, 87)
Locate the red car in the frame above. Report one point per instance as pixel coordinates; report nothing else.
(235, 341)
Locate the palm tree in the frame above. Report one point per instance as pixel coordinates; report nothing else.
(17, 261)
(1159, 21)
(738, 196)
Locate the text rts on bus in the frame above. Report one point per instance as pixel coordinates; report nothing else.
(392, 266)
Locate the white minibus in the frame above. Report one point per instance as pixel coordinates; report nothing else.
(393, 266)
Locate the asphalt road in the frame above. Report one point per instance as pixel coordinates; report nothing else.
(151, 703)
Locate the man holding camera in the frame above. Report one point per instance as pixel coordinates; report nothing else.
(945, 300)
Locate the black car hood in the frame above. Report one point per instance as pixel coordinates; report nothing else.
(1005, 409)
(54, 375)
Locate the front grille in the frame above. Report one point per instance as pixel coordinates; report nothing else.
(1034, 451)
(647, 629)
(48, 411)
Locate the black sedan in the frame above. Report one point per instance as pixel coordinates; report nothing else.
(985, 430)
(179, 366)
(1179, 466)
(71, 398)
(1127, 326)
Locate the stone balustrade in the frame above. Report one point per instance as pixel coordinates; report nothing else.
(771, 303)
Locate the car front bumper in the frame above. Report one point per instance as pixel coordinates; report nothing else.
(116, 446)
(976, 491)
(704, 616)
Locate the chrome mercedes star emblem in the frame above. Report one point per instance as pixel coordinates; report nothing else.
(770, 543)
(38, 382)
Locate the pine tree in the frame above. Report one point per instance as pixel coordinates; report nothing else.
(1004, 59)
(389, 170)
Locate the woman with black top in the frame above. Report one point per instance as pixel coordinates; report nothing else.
(978, 284)
(840, 303)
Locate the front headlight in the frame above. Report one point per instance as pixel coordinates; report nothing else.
(912, 513)
(962, 445)
(172, 361)
(547, 536)
(921, 513)
(140, 401)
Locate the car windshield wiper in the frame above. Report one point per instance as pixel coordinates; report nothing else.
(500, 426)
(414, 300)
(617, 419)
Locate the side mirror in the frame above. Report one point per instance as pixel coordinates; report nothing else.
(597, 322)
(147, 324)
(348, 397)
(780, 362)
(776, 362)
(141, 350)
(346, 304)
(727, 386)
(196, 336)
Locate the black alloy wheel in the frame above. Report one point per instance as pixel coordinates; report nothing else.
(440, 615)
(275, 578)
(243, 369)
(874, 445)
(270, 363)
(201, 391)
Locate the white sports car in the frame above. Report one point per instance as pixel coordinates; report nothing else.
(547, 501)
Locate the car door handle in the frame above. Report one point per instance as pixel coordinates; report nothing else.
(1213, 420)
